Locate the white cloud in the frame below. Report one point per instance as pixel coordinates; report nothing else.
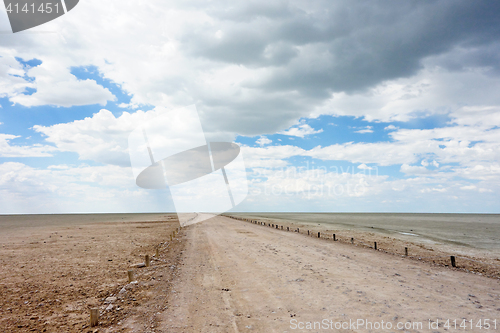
(415, 170)
(104, 138)
(301, 131)
(70, 189)
(57, 86)
(101, 138)
(37, 150)
(367, 129)
(269, 157)
(432, 90)
(483, 117)
(364, 167)
(12, 73)
(184, 53)
(223, 58)
(262, 141)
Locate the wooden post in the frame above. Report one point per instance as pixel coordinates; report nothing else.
(157, 253)
(453, 264)
(287, 228)
(319, 236)
(375, 245)
(147, 261)
(170, 237)
(307, 232)
(352, 240)
(334, 238)
(130, 276)
(406, 251)
(94, 317)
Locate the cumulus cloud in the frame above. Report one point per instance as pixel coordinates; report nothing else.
(256, 67)
(363, 166)
(262, 141)
(12, 76)
(101, 138)
(57, 86)
(301, 131)
(269, 63)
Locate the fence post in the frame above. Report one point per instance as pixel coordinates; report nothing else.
(406, 251)
(453, 264)
(319, 235)
(130, 276)
(375, 245)
(94, 317)
(147, 260)
(334, 238)
(352, 240)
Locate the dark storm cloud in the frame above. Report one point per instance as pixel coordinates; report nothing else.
(486, 57)
(318, 47)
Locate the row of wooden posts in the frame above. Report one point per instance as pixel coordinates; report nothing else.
(94, 312)
(452, 258)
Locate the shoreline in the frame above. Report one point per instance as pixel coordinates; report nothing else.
(262, 279)
(469, 259)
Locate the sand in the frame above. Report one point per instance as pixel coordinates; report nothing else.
(435, 250)
(242, 277)
(226, 275)
(53, 273)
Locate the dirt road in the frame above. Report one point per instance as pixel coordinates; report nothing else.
(241, 277)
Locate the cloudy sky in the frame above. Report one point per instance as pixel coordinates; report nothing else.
(343, 106)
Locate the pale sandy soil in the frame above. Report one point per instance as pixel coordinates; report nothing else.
(225, 275)
(51, 276)
(241, 277)
(469, 259)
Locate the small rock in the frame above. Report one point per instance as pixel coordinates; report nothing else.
(140, 265)
(110, 299)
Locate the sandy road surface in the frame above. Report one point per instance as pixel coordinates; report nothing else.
(239, 277)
